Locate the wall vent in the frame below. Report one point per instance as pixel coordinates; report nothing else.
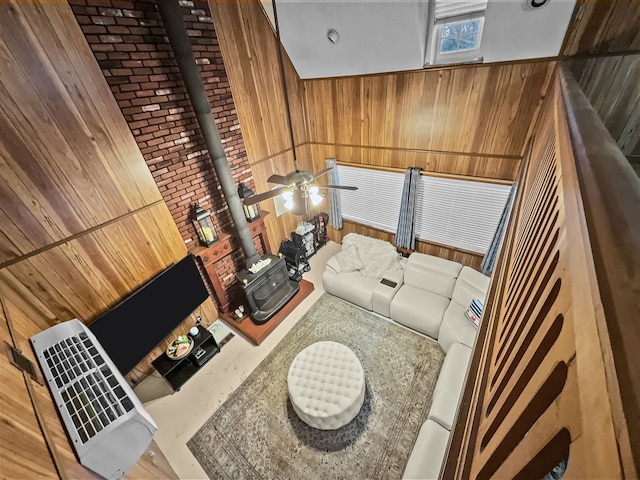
(108, 426)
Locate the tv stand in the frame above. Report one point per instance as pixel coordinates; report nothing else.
(177, 372)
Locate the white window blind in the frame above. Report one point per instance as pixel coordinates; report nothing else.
(376, 202)
(454, 8)
(459, 213)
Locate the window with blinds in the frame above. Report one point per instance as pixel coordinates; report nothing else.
(457, 31)
(458, 213)
(376, 202)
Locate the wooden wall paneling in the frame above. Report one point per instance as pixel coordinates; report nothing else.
(603, 27)
(488, 109)
(63, 132)
(611, 86)
(23, 450)
(85, 276)
(249, 48)
(491, 168)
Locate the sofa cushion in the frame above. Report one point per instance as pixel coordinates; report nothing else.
(428, 452)
(469, 285)
(349, 259)
(430, 273)
(446, 395)
(352, 287)
(418, 309)
(456, 327)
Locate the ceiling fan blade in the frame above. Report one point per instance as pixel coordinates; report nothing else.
(340, 187)
(252, 200)
(279, 179)
(322, 172)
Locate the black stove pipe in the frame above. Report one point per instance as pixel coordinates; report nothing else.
(181, 45)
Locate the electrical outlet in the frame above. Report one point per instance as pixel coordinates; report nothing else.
(198, 320)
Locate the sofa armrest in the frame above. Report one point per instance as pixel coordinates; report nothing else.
(333, 264)
(329, 278)
(427, 456)
(385, 291)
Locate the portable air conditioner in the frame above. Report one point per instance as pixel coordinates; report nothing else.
(108, 426)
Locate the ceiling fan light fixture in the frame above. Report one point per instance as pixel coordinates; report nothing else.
(315, 197)
(288, 200)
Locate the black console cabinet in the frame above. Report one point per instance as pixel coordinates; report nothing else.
(177, 372)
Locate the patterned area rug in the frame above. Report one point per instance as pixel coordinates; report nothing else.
(256, 434)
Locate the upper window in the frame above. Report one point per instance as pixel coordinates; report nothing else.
(457, 31)
(460, 36)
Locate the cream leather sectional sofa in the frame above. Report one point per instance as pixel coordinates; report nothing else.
(430, 295)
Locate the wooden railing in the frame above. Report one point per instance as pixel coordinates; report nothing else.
(553, 375)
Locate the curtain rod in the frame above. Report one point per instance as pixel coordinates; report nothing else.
(426, 173)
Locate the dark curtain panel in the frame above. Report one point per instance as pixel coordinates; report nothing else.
(335, 207)
(491, 256)
(404, 234)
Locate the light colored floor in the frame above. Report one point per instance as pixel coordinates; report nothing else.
(181, 414)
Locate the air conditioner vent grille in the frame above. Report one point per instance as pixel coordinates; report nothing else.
(92, 395)
(108, 426)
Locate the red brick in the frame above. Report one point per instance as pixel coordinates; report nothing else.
(102, 47)
(110, 12)
(118, 55)
(121, 71)
(127, 21)
(132, 13)
(124, 47)
(140, 55)
(80, 10)
(89, 29)
(139, 30)
(122, 4)
(132, 63)
(117, 29)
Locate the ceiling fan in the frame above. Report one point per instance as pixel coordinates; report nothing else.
(299, 182)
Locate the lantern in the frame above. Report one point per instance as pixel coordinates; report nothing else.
(251, 212)
(201, 219)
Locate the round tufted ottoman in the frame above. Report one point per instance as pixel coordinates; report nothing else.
(326, 385)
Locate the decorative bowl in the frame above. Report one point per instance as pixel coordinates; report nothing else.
(180, 347)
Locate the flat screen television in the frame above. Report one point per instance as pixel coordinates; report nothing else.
(136, 325)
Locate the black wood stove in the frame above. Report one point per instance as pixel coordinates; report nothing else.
(269, 289)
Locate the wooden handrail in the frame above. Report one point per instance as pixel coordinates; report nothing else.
(611, 197)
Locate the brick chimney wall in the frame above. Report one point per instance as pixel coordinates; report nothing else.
(131, 47)
(130, 44)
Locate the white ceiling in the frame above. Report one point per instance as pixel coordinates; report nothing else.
(379, 36)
